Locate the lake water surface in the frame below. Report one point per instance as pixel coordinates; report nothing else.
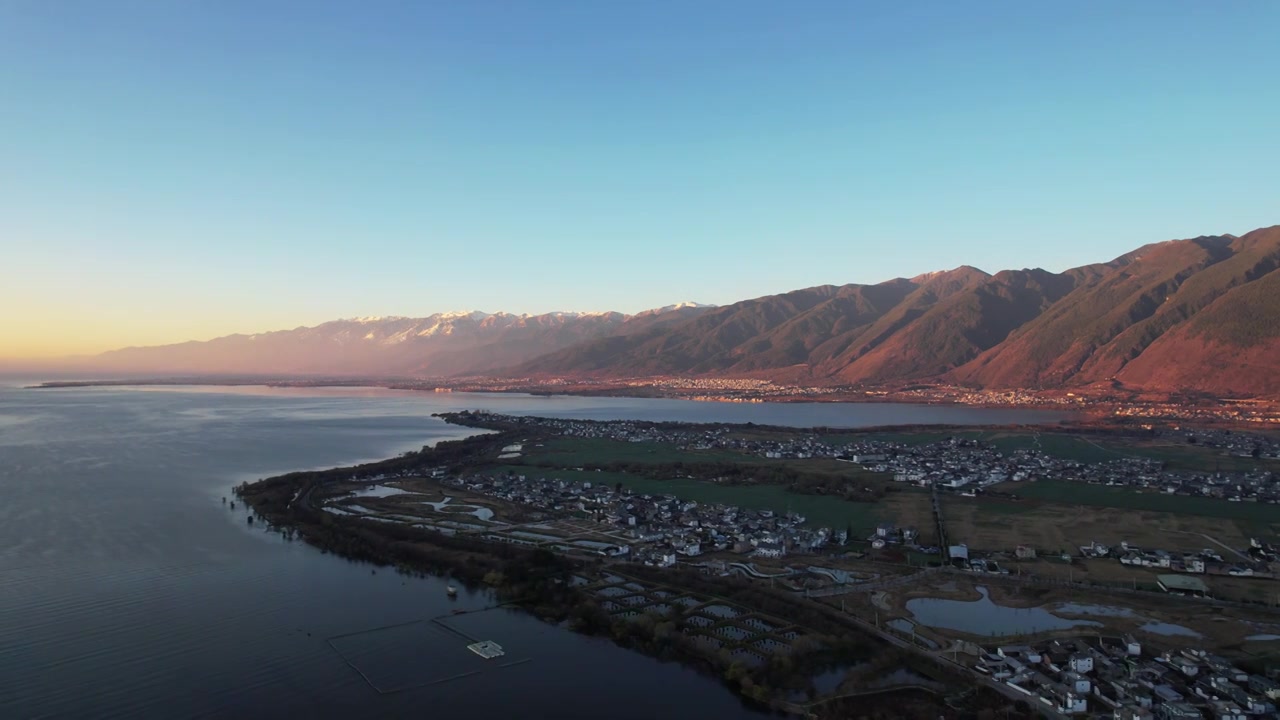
(128, 590)
(984, 617)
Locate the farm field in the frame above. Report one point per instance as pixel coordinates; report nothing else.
(902, 438)
(577, 452)
(1111, 572)
(1192, 457)
(911, 509)
(1084, 448)
(582, 452)
(1053, 527)
(1250, 517)
(1078, 447)
(1066, 447)
(818, 510)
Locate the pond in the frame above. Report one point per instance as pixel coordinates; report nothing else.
(720, 611)
(827, 682)
(902, 625)
(904, 676)
(985, 617)
(906, 626)
(1098, 610)
(1151, 626)
(378, 491)
(1162, 628)
(479, 513)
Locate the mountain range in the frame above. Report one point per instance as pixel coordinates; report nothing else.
(1201, 314)
(437, 345)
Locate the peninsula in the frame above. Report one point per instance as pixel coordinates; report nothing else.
(792, 563)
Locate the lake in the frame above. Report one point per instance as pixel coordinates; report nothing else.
(127, 589)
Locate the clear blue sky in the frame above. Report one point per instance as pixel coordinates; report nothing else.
(183, 169)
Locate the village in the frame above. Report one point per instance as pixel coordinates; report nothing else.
(1124, 672)
(1095, 676)
(955, 463)
(1119, 678)
(658, 529)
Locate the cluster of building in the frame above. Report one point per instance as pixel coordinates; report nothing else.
(967, 465)
(658, 529)
(960, 464)
(1113, 677)
(1207, 561)
(1262, 414)
(1010, 398)
(1245, 445)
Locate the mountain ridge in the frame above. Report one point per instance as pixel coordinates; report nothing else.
(1180, 314)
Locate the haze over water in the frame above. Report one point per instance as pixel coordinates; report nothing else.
(128, 589)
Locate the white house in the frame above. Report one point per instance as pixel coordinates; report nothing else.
(1132, 646)
(769, 550)
(1077, 682)
(1069, 702)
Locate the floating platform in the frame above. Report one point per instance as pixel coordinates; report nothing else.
(487, 649)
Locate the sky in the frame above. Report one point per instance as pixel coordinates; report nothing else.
(183, 170)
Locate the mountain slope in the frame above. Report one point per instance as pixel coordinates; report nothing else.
(1231, 345)
(1101, 326)
(900, 329)
(955, 327)
(768, 332)
(440, 344)
(1195, 314)
(1189, 313)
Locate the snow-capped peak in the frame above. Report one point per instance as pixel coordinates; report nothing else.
(374, 319)
(458, 314)
(677, 306)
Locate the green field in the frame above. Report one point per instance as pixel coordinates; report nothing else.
(901, 438)
(1066, 447)
(578, 452)
(664, 457)
(1075, 493)
(1095, 449)
(1192, 457)
(819, 511)
(1081, 448)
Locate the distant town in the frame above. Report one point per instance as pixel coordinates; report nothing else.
(1106, 405)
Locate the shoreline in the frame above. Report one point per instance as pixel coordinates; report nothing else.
(537, 582)
(298, 501)
(1088, 406)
